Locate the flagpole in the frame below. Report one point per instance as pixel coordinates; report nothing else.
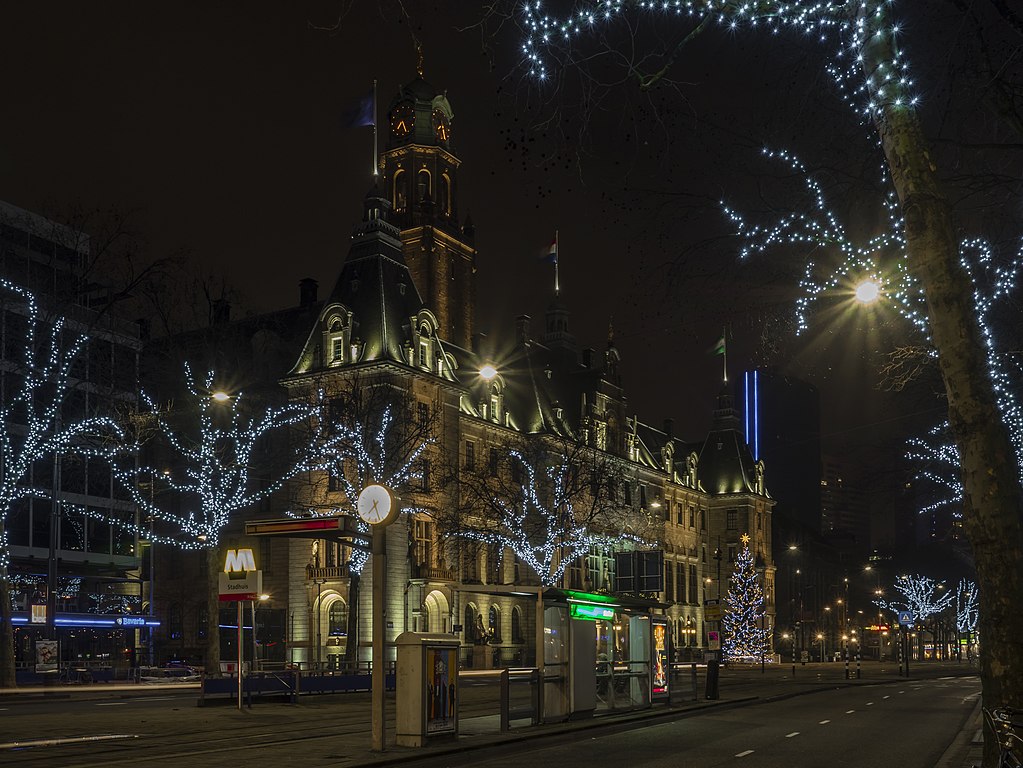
(375, 164)
(557, 257)
(724, 355)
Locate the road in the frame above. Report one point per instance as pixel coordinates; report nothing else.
(907, 723)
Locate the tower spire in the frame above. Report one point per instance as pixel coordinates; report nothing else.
(419, 58)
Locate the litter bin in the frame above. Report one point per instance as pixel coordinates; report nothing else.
(426, 688)
(713, 667)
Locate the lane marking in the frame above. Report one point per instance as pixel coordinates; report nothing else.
(849, 711)
(886, 697)
(823, 722)
(112, 704)
(790, 735)
(901, 691)
(743, 754)
(870, 703)
(158, 698)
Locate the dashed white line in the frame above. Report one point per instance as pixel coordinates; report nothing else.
(901, 691)
(112, 704)
(823, 722)
(886, 697)
(870, 703)
(849, 711)
(743, 754)
(790, 735)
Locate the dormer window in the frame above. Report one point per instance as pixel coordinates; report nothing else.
(337, 342)
(424, 354)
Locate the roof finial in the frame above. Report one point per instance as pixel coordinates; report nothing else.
(611, 331)
(419, 58)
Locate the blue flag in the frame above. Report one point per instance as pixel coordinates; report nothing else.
(359, 112)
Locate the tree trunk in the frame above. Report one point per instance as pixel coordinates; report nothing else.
(990, 474)
(211, 654)
(7, 678)
(352, 645)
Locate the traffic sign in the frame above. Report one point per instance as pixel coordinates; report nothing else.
(906, 618)
(712, 610)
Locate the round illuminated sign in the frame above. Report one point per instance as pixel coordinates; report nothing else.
(376, 505)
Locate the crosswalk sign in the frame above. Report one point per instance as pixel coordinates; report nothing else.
(906, 618)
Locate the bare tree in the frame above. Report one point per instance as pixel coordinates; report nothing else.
(372, 431)
(34, 423)
(546, 500)
(220, 460)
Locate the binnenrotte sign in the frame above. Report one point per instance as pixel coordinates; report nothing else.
(240, 579)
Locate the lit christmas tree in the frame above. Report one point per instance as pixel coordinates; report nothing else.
(745, 635)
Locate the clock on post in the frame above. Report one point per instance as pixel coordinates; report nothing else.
(376, 506)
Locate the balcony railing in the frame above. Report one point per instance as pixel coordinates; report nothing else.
(329, 573)
(433, 573)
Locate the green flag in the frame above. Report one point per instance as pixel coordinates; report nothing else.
(719, 347)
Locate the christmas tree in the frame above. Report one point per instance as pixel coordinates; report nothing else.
(744, 633)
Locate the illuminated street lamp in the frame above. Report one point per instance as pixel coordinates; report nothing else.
(488, 372)
(868, 291)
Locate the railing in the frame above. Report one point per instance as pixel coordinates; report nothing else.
(434, 573)
(328, 572)
(505, 679)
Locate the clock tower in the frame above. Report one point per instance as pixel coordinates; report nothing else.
(420, 172)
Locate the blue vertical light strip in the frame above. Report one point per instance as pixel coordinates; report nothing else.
(745, 403)
(756, 415)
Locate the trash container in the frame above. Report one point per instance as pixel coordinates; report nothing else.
(713, 667)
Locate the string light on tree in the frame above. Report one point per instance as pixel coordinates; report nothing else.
(923, 597)
(967, 606)
(745, 635)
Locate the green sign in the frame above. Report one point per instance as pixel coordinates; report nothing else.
(591, 612)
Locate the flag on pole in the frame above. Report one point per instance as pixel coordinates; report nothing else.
(550, 254)
(719, 347)
(359, 112)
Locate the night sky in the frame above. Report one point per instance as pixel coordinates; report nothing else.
(219, 126)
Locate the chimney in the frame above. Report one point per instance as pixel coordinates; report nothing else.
(307, 292)
(669, 427)
(221, 312)
(522, 328)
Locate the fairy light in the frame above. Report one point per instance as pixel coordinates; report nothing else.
(873, 29)
(967, 606)
(923, 597)
(33, 427)
(356, 453)
(745, 610)
(540, 526)
(213, 480)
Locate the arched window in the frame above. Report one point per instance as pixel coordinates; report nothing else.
(400, 199)
(337, 619)
(516, 625)
(469, 625)
(494, 623)
(423, 184)
(444, 195)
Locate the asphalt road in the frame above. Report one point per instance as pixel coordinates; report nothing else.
(909, 726)
(807, 723)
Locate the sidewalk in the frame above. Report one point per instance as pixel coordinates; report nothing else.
(337, 727)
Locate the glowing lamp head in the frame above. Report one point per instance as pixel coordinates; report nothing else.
(868, 292)
(488, 372)
(220, 396)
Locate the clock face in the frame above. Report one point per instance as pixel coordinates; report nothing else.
(375, 505)
(441, 126)
(402, 120)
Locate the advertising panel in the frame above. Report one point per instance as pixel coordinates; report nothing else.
(46, 655)
(661, 660)
(442, 689)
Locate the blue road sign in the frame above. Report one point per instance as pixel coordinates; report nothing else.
(905, 618)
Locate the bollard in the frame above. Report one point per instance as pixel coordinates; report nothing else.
(845, 652)
(857, 662)
(713, 667)
(505, 705)
(696, 690)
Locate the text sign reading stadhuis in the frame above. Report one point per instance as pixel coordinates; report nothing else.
(240, 579)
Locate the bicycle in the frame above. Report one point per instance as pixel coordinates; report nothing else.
(1010, 744)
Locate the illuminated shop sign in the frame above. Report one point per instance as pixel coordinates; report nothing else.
(591, 612)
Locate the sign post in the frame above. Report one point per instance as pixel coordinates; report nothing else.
(376, 506)
(240, 581)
